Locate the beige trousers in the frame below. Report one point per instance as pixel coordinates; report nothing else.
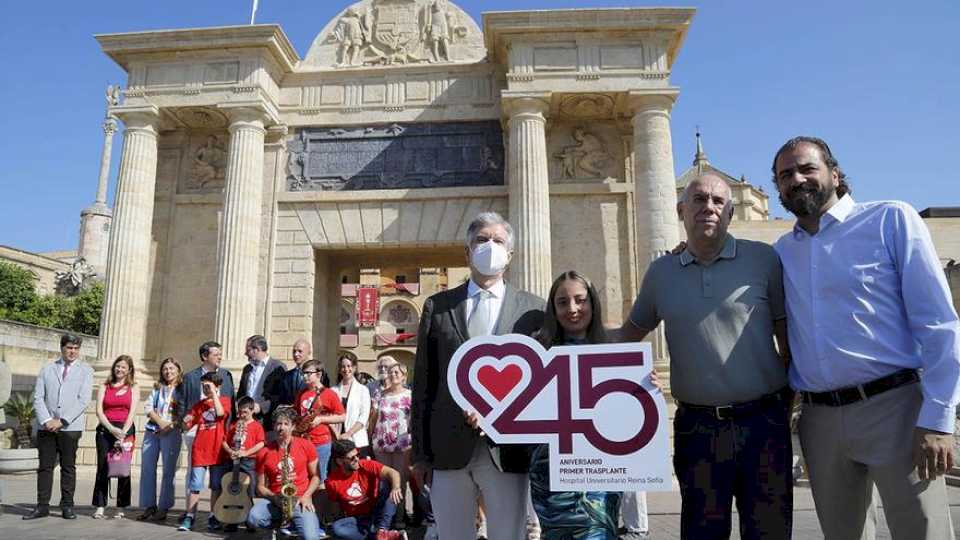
(454, 496)
(853, 448)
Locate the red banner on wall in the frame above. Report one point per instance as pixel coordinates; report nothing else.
(368, 306)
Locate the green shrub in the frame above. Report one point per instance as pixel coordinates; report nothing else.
(19, 302)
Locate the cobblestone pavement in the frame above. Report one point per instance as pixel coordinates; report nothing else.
(19, 496)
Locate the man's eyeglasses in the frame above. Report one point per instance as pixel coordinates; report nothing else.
(310, 372)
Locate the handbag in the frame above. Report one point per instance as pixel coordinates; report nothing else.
(119, 458)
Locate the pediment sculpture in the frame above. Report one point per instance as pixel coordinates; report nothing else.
(397, 32)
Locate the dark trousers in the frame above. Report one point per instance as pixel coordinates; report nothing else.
(51, 447)
(363, 527)
(747, 457)
(105, 442)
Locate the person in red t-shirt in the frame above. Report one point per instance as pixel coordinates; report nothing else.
(326, 405)
(293, 460)
(210, 417)
(360, 486)
(244, 440)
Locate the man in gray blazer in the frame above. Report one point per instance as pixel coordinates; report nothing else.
(462, 461)
(60, 398)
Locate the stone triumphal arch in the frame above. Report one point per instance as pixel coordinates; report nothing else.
(253, 181)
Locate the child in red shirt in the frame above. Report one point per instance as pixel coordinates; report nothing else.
(360, 486)
(324, 402)
(244, 440)
(210, 417)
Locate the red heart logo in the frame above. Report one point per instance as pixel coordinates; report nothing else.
(499, 382)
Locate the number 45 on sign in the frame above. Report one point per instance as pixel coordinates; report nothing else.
(594, 405)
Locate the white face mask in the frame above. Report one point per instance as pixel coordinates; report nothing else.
(490, 258)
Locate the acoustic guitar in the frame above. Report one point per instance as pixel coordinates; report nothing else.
(234, 502)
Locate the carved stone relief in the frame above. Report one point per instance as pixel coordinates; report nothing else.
(396, 156)
(587, 106)
(201, 117)
(581, 153)
(206, 163)
(396, 32)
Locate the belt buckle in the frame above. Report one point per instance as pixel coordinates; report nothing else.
(720, 412)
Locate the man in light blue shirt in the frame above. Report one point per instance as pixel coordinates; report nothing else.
(875, 342)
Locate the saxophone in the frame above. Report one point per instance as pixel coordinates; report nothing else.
(288, 490)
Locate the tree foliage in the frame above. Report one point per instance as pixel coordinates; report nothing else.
(19, 302)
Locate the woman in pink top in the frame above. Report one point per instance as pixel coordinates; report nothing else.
(116, 402)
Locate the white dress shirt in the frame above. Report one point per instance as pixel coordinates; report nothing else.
(253, 383)
(497, 291)
(866, 297)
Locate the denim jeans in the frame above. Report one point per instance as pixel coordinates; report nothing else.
(747, 457)
(266, 515)
(165, 447)
(323, 460)
(362, 527)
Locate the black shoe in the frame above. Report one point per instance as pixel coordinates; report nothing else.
(148, 513)
(38, 512)
(231, 528)
(68, 513)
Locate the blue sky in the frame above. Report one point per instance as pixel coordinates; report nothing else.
(877, 79)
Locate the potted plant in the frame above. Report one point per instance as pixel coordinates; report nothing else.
(24, 458)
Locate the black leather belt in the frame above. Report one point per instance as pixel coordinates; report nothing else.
(739, 410)
(853, 394)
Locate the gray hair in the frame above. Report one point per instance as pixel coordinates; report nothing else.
(485, 219)
(686, 190)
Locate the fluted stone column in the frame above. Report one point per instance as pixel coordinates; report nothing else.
(529, 195)
(125, 308)
(655, 192)
(655, 188)
(239, 242)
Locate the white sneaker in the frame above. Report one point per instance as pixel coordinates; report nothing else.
(98, 513)
(118, 515)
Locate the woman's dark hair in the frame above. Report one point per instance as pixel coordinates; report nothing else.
(130, 378)
(552, 333)
(346, 358)
(176, 382)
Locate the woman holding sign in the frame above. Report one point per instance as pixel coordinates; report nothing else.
(573, 317)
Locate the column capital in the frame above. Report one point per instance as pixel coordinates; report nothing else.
(138, 117)
(251, 112)
(515, 104)
(109, 125)
(659, 100)
(277, 135)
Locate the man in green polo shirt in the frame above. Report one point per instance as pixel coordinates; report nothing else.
(721, 301)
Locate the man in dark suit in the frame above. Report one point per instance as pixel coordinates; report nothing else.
(260, 379)
(462, 461)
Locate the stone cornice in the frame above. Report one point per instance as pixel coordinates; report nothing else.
(261, 110)
(502, 27)
(123, 47)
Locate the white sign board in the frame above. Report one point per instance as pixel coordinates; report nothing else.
(594, 405)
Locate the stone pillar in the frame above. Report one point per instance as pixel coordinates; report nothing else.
(95, 219)
(238, 254)
(655, 188)
(125, 308)
(655, 191)
(529, 194)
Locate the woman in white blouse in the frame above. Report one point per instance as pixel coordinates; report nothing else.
(161, 439)
(356, 403)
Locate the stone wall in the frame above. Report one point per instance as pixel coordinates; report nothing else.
(44, 268)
